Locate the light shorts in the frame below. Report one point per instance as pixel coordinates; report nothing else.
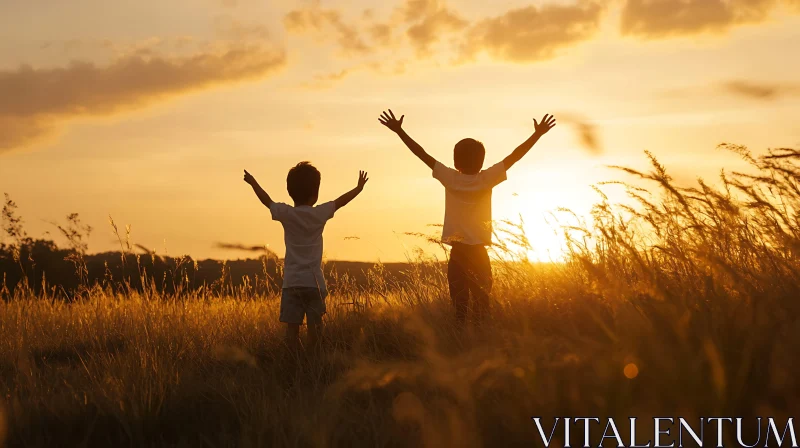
(302, 301)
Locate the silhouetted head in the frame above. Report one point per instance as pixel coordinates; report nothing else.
(303, 183)
(468, 156)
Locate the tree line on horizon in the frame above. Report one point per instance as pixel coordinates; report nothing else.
(44, 268)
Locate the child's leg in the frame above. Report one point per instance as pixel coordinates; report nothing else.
(457, 281)
(293, 336)
(480, 281)
(292, 316)
(315, 308)
(314, 334)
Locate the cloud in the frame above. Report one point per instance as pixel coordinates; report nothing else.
(425, 22)
(761, 91)
(18, 132)
(326, 80)
(533, 33)
(430, 20)
(416, 10)
(666, 18)
(381, 34)
(527, 34)
(230, 29)
(336, 76)
(523, 35)
(36, 102)
(753, 90)
(315, 18)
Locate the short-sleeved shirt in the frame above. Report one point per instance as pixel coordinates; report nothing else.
(302, 233)
(468, 203)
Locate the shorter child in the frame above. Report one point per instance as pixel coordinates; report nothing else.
(304, 291)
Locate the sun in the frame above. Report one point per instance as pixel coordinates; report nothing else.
(531, 237)
(529, 205)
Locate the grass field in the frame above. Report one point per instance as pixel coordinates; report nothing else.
(684, 305)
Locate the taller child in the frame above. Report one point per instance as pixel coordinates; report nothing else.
(468, 211)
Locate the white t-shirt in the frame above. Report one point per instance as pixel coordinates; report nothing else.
(468, 203)
(302, 233)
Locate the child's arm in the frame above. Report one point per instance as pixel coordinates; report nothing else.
(262, 195)
(388, 120)
(350, 195)
(539, 130)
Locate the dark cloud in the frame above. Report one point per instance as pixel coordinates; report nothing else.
(37, 101)
(665, 18)
(761, 91)
(533, 33)
(315, 18)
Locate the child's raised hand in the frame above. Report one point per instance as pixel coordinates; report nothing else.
(362, 179)
(389, 120)
(548, 121)
(249, 178)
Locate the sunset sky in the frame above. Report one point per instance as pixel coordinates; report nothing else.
(148, 111)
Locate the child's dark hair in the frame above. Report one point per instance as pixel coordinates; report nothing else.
(468, 156)
(303, 183)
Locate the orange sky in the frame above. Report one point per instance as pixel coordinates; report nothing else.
(149, 112)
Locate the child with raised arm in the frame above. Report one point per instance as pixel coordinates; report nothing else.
(304, 290)
(468, 211)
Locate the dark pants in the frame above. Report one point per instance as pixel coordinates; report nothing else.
(469, 272)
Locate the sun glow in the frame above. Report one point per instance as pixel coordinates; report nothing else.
(531, 209)
(535, 238)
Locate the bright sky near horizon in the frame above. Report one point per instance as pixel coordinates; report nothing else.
(148, 111)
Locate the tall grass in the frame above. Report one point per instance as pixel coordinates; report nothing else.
(685, 304)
